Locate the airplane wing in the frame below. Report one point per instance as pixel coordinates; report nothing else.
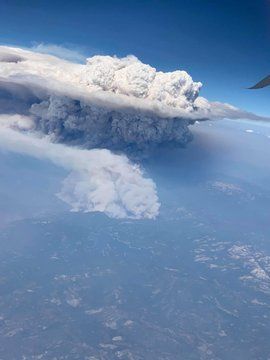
(261, 84)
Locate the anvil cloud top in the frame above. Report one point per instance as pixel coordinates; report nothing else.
(120, 104)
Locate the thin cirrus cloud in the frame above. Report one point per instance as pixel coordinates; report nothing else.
(75, 54)
(107, 104)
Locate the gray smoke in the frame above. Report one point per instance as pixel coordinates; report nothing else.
(118, 104)
(75, 122)
(98, 181)
(107, 103)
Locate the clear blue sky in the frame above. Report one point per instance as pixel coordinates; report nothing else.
(223, 43)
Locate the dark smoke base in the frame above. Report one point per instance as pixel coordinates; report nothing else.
(74, 122)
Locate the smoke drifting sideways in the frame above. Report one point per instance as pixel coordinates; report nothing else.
(99, 180)
(110, 104)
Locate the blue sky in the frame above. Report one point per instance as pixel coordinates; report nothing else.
(225, 44)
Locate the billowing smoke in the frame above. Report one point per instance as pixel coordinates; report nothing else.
(115, 106)
(78, 123)
(108, 103)
(99, 180)
(119, 104)
(129, 76)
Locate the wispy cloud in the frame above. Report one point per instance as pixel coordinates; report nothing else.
(73, 54)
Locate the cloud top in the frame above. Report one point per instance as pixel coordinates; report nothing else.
(129, 76)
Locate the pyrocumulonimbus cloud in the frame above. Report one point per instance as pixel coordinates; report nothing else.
(108, 104)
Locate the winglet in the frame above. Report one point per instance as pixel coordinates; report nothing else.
(261, 84)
